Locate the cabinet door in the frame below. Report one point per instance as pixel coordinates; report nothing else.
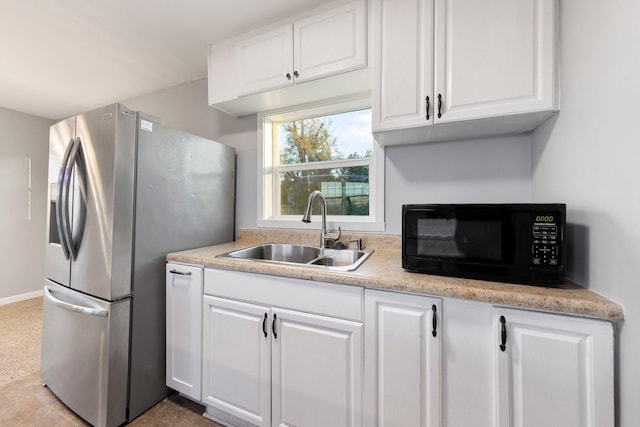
(184, 329)
(265, 61)
(316, 370)
(468, 364)
(403, 64)
(554, 370)
(402, 360)
(494, 58)
(331, 42)
(237, 359)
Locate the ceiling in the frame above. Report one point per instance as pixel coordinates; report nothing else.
(62, 57)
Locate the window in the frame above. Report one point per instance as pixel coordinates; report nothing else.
(327, 148)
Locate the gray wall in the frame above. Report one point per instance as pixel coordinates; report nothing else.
(493, 170)
(484, 170)
(588, 156)
(22, 240)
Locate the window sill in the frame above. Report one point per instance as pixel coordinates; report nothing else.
(316, 221)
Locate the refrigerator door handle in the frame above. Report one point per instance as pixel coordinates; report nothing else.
(74, 307)
(76, 158)
(61, 199)
(80, 161)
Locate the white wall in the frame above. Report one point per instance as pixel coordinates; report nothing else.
(492, 170)
(22, 239)
(589, 156)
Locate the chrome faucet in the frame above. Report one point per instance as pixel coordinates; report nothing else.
(325, 236)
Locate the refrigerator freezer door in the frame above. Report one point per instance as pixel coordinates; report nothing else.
(103, 264)
(57, 265)
(85, 343)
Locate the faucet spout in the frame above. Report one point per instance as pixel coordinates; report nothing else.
(324, 236)
(307, 213)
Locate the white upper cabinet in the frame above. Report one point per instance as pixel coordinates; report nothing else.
(402, 64)
(494, 57)
(265, 61)
(331, 42)
(469, 67)
(326, 49)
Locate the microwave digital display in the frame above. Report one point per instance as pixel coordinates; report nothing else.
(519, 243)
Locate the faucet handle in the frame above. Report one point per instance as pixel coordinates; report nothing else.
(332, 236)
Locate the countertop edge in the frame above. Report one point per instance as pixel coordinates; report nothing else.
(383, 271)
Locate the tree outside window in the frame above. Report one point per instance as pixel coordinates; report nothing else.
(330, 153)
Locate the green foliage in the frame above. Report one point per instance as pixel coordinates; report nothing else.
(310, 141)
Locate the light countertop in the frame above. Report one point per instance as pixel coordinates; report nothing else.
(383, 270)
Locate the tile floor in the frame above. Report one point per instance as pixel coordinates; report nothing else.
(24, 401)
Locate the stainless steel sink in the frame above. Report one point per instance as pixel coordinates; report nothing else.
(302, 255)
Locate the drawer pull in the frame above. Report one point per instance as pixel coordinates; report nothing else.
(273, 326)
(503, 333)
(434, 321)
(426, 101)
(180, 273)
(264, 325)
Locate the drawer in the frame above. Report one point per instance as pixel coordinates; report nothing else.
(341, 301)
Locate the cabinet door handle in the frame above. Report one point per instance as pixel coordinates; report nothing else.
(503, 333)
(295, 74)
(180, 273)
(439, 105)
(434, 321)
(426, 101)
(288, 76)
(273, 326)
(264, 325)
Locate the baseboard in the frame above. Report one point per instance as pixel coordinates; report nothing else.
(22, 297)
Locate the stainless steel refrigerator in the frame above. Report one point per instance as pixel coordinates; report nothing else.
(123, 192)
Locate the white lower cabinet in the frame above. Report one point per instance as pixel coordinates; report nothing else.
(285, 352)
(237, 359)
(271, 366)
(184, 328)
(316, 370)
(553, 370)
(403, 347)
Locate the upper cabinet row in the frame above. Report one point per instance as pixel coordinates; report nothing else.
(435, 69)
(262, 70)
(446, 69)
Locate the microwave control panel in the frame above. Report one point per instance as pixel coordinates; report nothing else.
(545, 248)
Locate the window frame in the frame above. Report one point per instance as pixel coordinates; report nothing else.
(269, 189)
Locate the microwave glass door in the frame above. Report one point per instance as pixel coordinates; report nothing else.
(477, 237)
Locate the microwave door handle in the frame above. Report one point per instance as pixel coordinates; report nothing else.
(74, 307)
(79, 161)
(61, 199)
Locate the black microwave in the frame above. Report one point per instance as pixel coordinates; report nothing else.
(514, 243)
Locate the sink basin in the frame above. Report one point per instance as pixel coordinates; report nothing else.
(297, 254)
(302, 255)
